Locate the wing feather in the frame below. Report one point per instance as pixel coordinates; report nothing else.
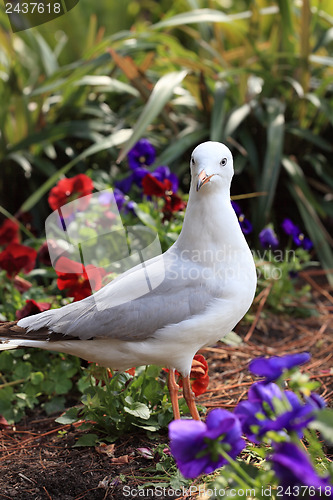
(163, 291)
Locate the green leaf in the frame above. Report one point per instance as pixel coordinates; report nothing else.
(160, 95)
(218, 112)
(63, 386)
(22, 161)
(48, 59)
(107, 84)
(150, 428)
(56, 404)
(86, 440)
(309, 136)
(236, 118)
(324, 424)
(272, 162)
(138, 409)
(194, 17)
(325, 60)
(69, 417)
(232, 339)
(36, 378)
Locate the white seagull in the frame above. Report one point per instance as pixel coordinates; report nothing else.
(205, 283)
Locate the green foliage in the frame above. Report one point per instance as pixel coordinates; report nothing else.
(278, 277)
(123, 403)
(31, 378)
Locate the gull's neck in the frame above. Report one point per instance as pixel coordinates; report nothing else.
(210, 221)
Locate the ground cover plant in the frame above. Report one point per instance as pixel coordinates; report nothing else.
(259, 79)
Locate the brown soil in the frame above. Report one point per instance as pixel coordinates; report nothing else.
(38, 461)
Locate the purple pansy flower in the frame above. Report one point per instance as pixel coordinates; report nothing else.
(141, 155)
(268, 408)
(294, 469)
(196, 446)
(244, 223)
(268, 239)
(272, 368)
(298, 237)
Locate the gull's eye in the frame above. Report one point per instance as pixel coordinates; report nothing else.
(192, 161)
(223, 162)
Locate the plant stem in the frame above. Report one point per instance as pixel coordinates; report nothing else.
(241, 472)
(13, 382)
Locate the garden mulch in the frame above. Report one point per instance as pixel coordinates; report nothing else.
(38, 460)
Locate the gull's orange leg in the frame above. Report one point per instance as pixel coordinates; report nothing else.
(189, 398)
(173, 389)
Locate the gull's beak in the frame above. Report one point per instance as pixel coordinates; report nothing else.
(203, 178)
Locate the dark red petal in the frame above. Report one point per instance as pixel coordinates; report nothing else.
(152, 186)
(9, 231)
(32, 307)
(16, 258)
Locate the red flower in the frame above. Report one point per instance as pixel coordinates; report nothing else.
(79, 280)
(154, 187)
(199, 375)
(70, 189)
(17, 257)
(32, 307)
(44, 255)
(9, 232)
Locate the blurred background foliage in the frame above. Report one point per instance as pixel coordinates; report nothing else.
(257, 75)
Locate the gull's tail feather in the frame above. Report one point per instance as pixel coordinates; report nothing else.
(12, 336)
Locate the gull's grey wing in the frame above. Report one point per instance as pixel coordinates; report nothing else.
(164, 291)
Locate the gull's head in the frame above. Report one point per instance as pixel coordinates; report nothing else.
(211, 164)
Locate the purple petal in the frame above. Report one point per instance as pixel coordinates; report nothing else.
(246, 226)
(125, 185)
(272, 368)
(293, 467)
(142, 154)
(236, 207)
(307, 244)
(268, 238)
(263, 391)
(316, 401)
(289, 227)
